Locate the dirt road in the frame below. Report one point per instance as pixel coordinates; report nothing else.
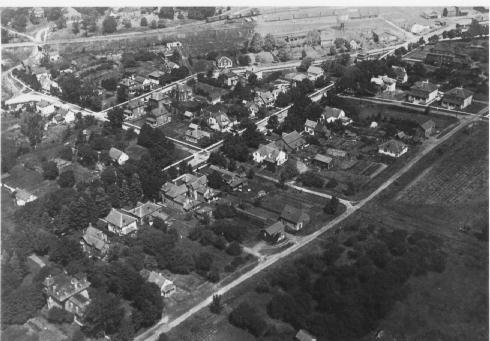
(165, 326)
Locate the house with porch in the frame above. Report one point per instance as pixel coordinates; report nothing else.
(45, 108)
(310, 127)
(331, 115)
(120, 222)
(264, 98)
(314, 72)
(68, 293)
(219, 121)
(166, 286)
(401, 74)
(195, 134)
(291, 141)
(158, 117)
(457, 98)
(422, 92)
(270, 153)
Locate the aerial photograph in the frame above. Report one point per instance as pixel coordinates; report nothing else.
(242, 173)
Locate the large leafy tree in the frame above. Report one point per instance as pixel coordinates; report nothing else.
(109, 25)
(104, 315)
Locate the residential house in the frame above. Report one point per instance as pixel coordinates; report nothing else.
(291, 141)
(422, 92)
(61, 164)
(270, 153)
(146, 212)
(159, 100)
(224, 62)
(128, 87)
(337, 153)
(219, 121)
(156, 77)
(393, 148)
(195, 134)
(252, 109)
(457, 98)
(385, 83)
(135, 109)
(303, 335)
(314, 72)
(401, 74)
(22, 197)
(426, 128)
(94, 242)
(166, 286)
(136, 152)
(264, 98)
(295, 77)
(118, 156)
(331, 115)
(182, 92)
(280, 85)
(353, 45)
(47, 84)
(68, 293)
(143, 83)
(274, 233)
(232, 179)
(418, 29)
(158, 117)
(322, 161)
(310, 127)
(187, 192)
(294, 218)
(230, 78)
(45, 108)
(120, 222)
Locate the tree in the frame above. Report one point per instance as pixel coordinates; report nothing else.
(333, 50)
(33, 128)
(216, 307)
(75, 27)
(67, 179)
(126, 23)
(234, 249)
(283, 55)
(269, 42)
(57, 315)
(215, 180)
(21, 304)
(135, 189)
(434, 39)
(86, 155)
(247, 317)
(153, 24)
(104, 315)
(244, 60)
(375, 37)
(50, 170)
(256, 43)
(166, 13)
(124, 194)
(109, 84)
(149, 302)
(273, 123)
(116, 117)
(313, 38)
(143, 22)
(332, 206)
(444, 12)
(163, 337)
(109, 25)
(305, 64)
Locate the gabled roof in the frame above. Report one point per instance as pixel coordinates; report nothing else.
(156, 74)
(115, 153)
(269, 151)
(21, 194)
(119, 218)
(172, 190)
(429, 124)
(293, 214)
(393, 146)
(332, 112)
(95, 238)
(293, 140)
(322, 158)
(336, 152)
(423, 87)
(277, 227)
(143, 209)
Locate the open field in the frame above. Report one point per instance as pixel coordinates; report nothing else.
(455, 179)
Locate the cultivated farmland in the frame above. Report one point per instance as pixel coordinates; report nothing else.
(459, 177)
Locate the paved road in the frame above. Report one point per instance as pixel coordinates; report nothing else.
(165, 326)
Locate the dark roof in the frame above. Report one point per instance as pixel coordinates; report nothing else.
(429, 124)
(275, 228)
(294, 214)
(422, 89)
(457, 95)
(293, 140)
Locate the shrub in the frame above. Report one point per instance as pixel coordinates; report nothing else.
(234, 249)
(247, 317)
(57, 315)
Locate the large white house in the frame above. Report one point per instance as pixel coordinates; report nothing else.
(118, 156)
(270, 153)
(331, 115)
(120, 222)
